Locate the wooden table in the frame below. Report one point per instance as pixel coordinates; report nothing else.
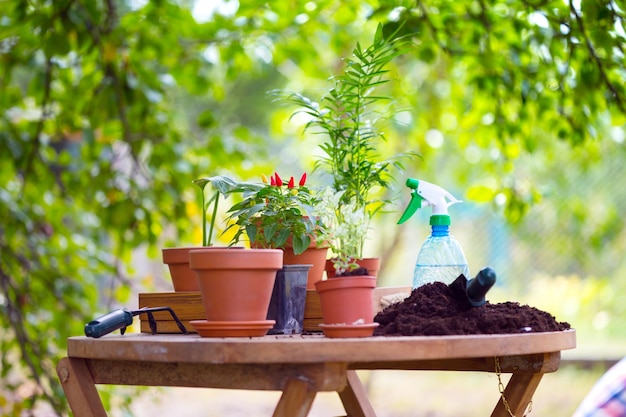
(300, 365)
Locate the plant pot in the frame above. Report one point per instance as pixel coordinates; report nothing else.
(314, 256)
(347, 306)
(371, 264)
(235, 286)
(288, 299)
(177, 259)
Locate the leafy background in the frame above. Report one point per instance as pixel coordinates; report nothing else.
(110, 109)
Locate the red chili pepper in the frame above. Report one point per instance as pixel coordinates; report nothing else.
(302, 180)
(292, 183)
(279, 182)
(272, 181)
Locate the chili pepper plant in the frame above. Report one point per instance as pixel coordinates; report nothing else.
(276, 213)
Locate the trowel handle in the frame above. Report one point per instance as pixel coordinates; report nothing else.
(477, 287)
(108, 323)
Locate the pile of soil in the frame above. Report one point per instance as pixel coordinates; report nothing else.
(438, 309)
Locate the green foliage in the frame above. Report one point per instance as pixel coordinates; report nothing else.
(343, 229)
(276, 215)
(110, 109)
(223, 185)
(348, 117)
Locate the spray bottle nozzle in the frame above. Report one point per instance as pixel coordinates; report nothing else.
(425, 194)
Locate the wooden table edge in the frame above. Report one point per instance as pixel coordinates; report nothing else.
(314, 349)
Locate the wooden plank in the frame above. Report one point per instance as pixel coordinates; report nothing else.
(354, 397)
(296, 400)
(534, 363)
(166, 327)
(186, 305)
(312, 325)
(312, 305)
(314, 348)
(321, 377)
(380, 292)
(79, 388)
(518, 394)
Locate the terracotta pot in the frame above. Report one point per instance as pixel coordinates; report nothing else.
(288, 299)
(314, 256)
(236, 285)
(371, 264)
(177, 259)
(347, 306)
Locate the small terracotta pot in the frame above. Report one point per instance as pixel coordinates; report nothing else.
(236, 285)
(177, 259)
(347, 301)
(314, 256)
(371, 264)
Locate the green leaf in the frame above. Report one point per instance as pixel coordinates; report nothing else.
(300, 243)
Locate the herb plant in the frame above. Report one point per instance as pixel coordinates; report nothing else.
(343, 229)
(348, 116)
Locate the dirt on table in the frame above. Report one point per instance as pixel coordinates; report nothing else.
(438, 309)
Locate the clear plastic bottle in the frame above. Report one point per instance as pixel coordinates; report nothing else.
(441, 257)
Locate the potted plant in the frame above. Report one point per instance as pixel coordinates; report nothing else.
(279, 214)
(348, 117)
(236, 288)
(345, 297)
(177, 259)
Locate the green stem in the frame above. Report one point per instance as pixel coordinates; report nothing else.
(213, 216)
(203, 219)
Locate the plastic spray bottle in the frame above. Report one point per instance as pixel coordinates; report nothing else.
(441, 257)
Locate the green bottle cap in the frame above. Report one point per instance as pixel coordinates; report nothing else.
(440, 220)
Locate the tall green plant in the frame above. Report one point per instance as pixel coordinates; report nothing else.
(349, 115)
(222, 185)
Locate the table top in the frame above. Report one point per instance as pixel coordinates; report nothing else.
(313, 348)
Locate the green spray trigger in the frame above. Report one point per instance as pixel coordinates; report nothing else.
(414, 204)
(424, 194)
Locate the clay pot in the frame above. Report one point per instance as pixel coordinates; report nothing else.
(347, 306)
(236, 285)
(177, 259)
(371, 264)
(314, 256)
(288, 299)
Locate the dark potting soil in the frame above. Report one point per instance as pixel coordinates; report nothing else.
(438, 309)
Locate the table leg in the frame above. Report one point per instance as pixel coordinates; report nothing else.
(354, 397)
(518, 393)
(296, 400)
(79, 387)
